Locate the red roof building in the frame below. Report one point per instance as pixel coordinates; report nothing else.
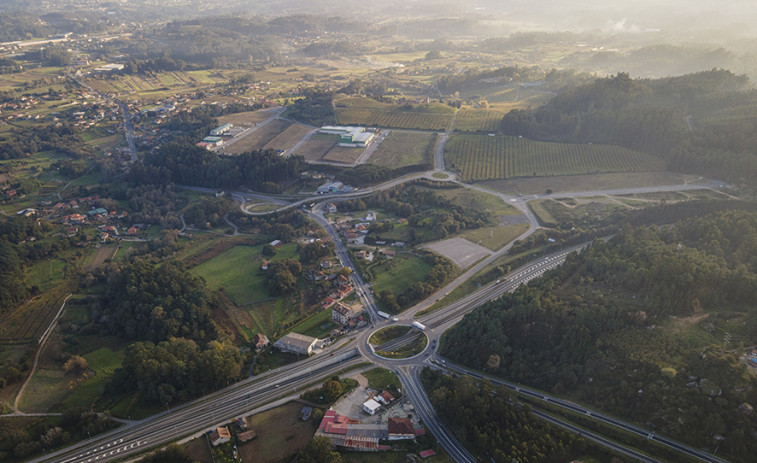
(401, 429)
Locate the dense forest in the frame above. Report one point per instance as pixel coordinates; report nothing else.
(493, 427)
(156, 303)
(701, 123)
(187, 164)
(649, 326)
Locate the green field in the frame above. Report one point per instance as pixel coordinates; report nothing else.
(387, 334)
(479, 157)
(103, 362)
(237, 271)
(478, 120)
(399, 273)
(401, 149)
(318, 326)
(381, 378)
(46, 274)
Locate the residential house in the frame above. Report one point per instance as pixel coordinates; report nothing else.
(331, 208)
(220, 436)
(260, 341)
(296, 343)
(342, 313)
(385, 398)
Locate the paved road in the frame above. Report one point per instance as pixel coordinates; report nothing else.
(202, 413)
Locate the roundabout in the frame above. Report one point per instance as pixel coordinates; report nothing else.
(397, 342)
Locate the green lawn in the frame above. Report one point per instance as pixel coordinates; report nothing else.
(399, 273)
(381, 378)
(237, 271)
(401, 149)
(387, 334)
(318, 326)
(103, 362)
(46, 273)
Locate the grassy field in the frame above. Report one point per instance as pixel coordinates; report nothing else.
(237, 271)
(317, 147)
(479, 157)
(399, 273)
(387, 334)
(289, 137)
(414, 348)
(494, 238)
(259, 138)
(401, 148)
(317, 326)
(281, 434)
(343, 154)
(381, 378)
(245, 119)
(478, 120)
(550, 212)
(103, 362)
(46, 274)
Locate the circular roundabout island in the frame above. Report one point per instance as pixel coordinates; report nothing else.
(398, 342)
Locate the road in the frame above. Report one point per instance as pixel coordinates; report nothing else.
(250, 393)
(202, 413)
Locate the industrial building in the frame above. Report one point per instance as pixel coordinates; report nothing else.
(221, 129)
(296, 343)
(351, 137)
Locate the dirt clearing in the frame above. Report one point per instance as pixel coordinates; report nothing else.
(460, 251)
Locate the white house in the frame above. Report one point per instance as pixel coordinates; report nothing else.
(370, 406)
(220, 436)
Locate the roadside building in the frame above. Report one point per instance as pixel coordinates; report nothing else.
(296, 343)
(385, 398)
(370, 406)
(331, 208)
(401, 429)
(342, 313)
(329, 187)
(246, 436)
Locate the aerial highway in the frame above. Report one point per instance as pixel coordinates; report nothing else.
(203, 413)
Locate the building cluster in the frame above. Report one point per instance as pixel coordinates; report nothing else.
(349, 434)
(298, 344)
(334, 187)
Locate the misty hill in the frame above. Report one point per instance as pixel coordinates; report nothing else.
(702, 123)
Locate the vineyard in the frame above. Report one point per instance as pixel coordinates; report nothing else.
(478, 157)
(139, 84)
(478, 120)
(32, 319)
(393, 119)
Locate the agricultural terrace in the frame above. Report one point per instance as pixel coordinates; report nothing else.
(480, 157)
(402, 148)
(362, 111)
(478, 120)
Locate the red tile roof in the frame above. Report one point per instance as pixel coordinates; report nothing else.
(400, 426)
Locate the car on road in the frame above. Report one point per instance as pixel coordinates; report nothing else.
(277, 386)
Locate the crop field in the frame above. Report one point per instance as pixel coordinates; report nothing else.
(478, 120)
(289, 137)
(394, 119)
(151, 85)
(478, 157)
(257, 139)
(401, 149)
(32, 318)
(316, 148)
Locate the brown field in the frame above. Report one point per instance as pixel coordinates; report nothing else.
(315, 148)
(102, 254)
(258, 139)
(281, 434)
(289, 137)
(342, 154)
(247, 118)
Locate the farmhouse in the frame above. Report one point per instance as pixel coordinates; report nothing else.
(260, 341)
(296, 343)
(220, 436)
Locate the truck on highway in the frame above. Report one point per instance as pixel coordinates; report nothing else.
(419, 325)
(383, 314)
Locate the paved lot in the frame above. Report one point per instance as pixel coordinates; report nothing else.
(460, 251)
